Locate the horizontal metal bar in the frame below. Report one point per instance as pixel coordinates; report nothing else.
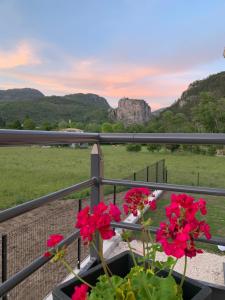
(34, 266)
(163, 138)
(166, 187)
(26, 137)
(25, 207)
(137, 227)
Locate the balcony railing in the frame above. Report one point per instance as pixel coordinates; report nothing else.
(97, 181)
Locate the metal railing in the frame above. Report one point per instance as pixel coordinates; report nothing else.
(97, 180)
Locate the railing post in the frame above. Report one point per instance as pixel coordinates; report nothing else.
(96, 191)
(79, 240)
(4, 261)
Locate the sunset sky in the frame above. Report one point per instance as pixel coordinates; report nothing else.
(145, 49)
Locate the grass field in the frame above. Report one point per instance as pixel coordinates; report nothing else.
(30, 172)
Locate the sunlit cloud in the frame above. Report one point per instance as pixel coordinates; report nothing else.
(22, 54)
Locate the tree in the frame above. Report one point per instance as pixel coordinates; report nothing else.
(118, 127)
(16, 125)
(29, 124)
(46, 126)
(209, 114)
(107, 127)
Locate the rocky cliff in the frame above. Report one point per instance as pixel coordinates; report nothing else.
(214, 85)
(131, 111)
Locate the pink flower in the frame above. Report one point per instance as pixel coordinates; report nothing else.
(202, 206)
(47, 254)
(152, 205)
(99, 221)
(80, 292)
(114, 212)
(177, 236)
(54, 239)
(136, 199)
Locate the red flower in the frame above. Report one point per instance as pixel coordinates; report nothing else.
(47, 254)
(54, 239)
(99, 221)
(152, 205)
(80, 292)
(114, 212)
(136, 199)
(202, 206)
(177, 236)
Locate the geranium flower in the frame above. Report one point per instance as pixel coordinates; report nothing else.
(80, 292)
(99, 221)
(136, 199)
(177, 236)
(54, 239)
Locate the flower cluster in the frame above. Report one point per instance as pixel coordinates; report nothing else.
(136, 199)
(80, 292)
(53, 240)
(99, 220)
(178, 234)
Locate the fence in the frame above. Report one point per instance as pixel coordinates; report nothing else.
(156, 172)
(26, 242)
(96, 183)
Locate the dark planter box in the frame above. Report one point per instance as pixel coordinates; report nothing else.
(120, 265)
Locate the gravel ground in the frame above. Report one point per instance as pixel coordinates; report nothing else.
(206, 267)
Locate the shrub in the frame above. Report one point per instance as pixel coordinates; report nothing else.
(133, 147)
(153, 147)
(211, 150)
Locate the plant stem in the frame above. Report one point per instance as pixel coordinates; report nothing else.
(185, 269)
(171, 270)
(104, 265)
(68, 267)
(131, 252)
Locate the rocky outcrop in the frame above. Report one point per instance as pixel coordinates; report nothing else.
(131, 111)
(20, 94)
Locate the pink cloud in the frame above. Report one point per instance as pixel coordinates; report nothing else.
(22, 55)
(156, 85)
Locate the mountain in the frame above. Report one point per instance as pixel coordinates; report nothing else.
(20, 94)
(16, 104)
(131, 111)
(214, 85)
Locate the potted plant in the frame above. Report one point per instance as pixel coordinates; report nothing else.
(129, 276)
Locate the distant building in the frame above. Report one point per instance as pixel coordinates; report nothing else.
(75, 145)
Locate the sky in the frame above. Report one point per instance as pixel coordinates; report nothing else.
(142, 49)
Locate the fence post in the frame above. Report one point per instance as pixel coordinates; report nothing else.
(96, 191)
(147, 170)
(134, 176)
(114, 194)
(156, 172)
(4, 261)
(198, 179)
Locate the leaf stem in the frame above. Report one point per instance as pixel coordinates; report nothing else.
(68, 267)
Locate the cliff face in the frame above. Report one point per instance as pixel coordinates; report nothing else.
(131, 111)
(214, 85)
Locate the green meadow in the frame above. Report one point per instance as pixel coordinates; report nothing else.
(30, 172)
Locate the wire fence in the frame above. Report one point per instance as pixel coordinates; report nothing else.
(22, 244)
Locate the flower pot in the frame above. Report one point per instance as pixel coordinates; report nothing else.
(120, 265)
